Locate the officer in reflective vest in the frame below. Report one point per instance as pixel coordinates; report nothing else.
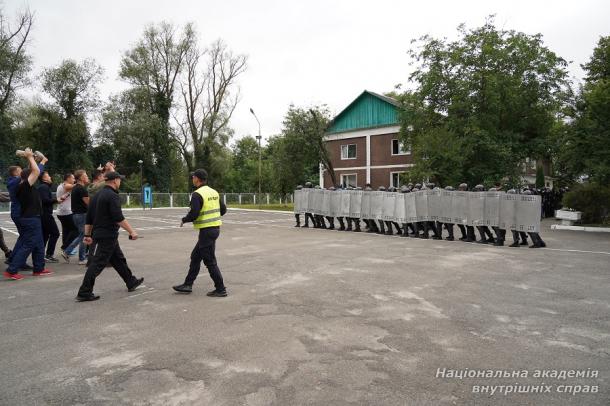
(205, 213)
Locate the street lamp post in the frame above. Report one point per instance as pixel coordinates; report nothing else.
(140, 162)
(258, 137)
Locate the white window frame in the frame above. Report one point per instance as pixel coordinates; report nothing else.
(392, 178)
(407, 152)
(349, 174)
(347, 151)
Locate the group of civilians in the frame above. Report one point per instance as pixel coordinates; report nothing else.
(32, 204)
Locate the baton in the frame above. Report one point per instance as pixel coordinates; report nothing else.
(138, 237)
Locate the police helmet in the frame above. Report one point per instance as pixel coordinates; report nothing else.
(308, 184)
(449, 188)
(381, 188)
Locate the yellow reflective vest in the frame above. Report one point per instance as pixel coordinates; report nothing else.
(210, 210)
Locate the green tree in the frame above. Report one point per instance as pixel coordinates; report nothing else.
(152, 66)
(585, 145)
(74, 86)
(493, 95)
(209, 96)
(15, 64)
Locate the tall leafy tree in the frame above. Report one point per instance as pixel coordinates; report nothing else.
(493, 95)
(74, 86)
(209, 91)
(153, 66)
(15, 65)
(585, 145)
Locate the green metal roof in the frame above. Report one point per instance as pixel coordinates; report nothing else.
(369, 110)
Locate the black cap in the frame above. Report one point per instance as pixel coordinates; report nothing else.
(200, 173)
(113, 176)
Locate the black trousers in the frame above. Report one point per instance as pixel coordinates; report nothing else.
(205, 250)
(69, 232)
(103, 252)
(50, 233)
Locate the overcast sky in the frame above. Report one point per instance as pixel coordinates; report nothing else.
(302, 52)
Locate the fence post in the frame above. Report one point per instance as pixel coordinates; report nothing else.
(267, 199)
(239, 198)
(254, 198)
(171, 200)
(280, 200)
(224, 199)
(128, 199)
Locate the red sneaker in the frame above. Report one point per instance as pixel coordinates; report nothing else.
(44, 272)
(14, 276)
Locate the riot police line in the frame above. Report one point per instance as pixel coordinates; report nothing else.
(425, 212)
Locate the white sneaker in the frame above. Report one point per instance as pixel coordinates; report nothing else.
(82, 262)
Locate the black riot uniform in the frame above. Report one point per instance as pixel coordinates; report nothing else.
(319, 219)
(484, 231)
(308, 215)
(500, 233)
(405, 226)
(297, 216)
(331, 219)
(371, 225)
(463, 187)
(381, 224)
(448, 226)
(515, 234)
(536, 240)
(437, 231)
(356, 220)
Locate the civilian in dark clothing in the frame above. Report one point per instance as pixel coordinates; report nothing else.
(12, 183)
(31, 209)
(80, 202)
(103, 220)
(50, 232)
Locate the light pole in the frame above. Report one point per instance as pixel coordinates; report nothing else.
(258, 137)
(140, 162)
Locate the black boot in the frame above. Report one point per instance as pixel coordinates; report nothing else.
(449, 228)
(405, 230)
(331, 222)
(298, 218)
(388, 227)
(381, 227)
(341, 224)
(357, 223)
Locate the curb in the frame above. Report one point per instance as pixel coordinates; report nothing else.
(580, 228)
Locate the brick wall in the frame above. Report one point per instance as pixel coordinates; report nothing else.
(334, 149)
(381, 151)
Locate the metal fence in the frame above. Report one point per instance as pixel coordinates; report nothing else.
(133, 200)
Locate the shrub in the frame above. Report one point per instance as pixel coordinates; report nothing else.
(592, 200)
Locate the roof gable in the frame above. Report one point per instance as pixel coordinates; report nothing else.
(369, 110)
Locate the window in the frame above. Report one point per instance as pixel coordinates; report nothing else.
(397, 148)
(349, 180)
(348, 151)
(395, 179)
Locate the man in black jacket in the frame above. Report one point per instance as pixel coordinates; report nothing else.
(104, 217)
(50, 232)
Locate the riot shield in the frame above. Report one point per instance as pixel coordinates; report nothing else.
(345, 197)
(318, 196)
(365, 205)
(459, 207)
(528, 212)
(491, 216)
(389, 201)
(376, 205)
(434, 204)
(421, 205)
(410, 208)
(298, 202)
(335, 203)
(307, 200)
(326, 194)
(446, 206)
(355, 203)
(399, 208)
(476, 208)
(508, 206)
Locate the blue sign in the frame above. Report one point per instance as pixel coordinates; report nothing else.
(147, 192)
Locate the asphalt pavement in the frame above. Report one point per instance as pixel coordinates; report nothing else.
(315, 317)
